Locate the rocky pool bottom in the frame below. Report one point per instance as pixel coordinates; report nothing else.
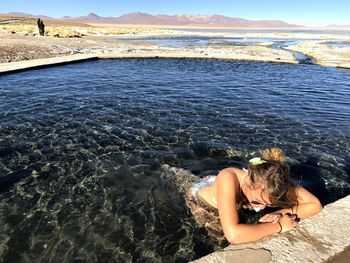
(82, 146)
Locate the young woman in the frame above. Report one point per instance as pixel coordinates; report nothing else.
(264, 184)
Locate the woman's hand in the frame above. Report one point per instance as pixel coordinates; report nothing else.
(287, 222)
(271, 218)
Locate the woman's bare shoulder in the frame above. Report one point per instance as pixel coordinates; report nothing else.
(230, 174)
(231, 171)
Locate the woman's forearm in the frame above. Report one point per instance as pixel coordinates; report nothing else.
(242, 233)
(304, 210)
(307, 204)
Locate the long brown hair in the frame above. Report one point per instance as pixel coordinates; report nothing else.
(273, 174)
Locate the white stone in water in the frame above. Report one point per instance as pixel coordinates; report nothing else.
(108, 128)
(35, 174)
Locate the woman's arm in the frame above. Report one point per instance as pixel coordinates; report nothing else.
(226, 187)
(308, 204)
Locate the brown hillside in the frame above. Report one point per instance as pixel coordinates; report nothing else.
(18, 20)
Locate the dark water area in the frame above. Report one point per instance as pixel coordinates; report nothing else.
(81, 149)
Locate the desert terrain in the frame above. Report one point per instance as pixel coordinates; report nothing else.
(20, 40)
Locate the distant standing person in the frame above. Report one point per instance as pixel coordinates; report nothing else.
(41, 27)
(38, 23)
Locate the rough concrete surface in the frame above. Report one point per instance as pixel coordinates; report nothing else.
(322, 238)
(45, 62)
(38, 63)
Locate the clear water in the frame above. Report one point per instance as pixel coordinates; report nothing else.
(81, 147)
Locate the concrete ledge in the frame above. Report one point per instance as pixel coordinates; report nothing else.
(344, 66)
(194, 56)
(322, 238)
(11, 67)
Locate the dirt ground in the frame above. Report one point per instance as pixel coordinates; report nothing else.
(20, 40)
(17, 48)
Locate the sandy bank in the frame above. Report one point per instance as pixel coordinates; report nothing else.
(21, 42)
(325, 53)
(17, 47)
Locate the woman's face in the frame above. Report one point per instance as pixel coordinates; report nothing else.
(258, 199)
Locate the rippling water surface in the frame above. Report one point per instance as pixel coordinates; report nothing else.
(81, 148)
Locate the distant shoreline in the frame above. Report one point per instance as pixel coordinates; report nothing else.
(21, 42)
(216, 27)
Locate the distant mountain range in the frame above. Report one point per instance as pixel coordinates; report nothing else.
(19, 14)
(182, 20)
(178, 20)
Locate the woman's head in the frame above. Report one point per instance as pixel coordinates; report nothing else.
(269, 179)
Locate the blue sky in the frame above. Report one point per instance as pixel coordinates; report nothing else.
(307, 12)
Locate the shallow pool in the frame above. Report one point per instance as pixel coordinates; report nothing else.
(81, 147)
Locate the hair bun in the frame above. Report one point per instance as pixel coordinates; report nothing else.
(273, 154)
